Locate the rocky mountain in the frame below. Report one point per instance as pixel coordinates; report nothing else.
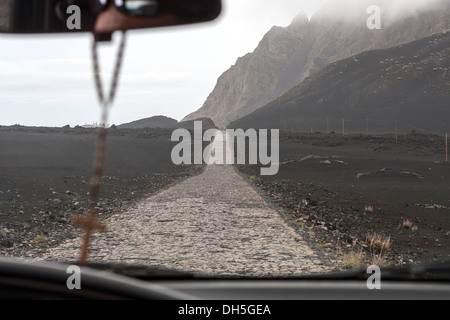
(288, 55)
(408, 84)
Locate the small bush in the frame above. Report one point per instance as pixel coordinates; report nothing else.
(379, 247)
(408, 224)
(354, 260)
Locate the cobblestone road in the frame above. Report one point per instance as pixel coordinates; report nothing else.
(213, 223)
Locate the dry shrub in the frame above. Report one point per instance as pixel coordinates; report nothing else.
(408, 224)
(354, 260)
(379, 247)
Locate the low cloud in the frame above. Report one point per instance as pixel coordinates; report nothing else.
(392, 10)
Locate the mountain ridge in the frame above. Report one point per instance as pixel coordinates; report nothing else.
(408, 83)
(288, 55)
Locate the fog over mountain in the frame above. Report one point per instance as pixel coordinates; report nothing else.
(288, 55)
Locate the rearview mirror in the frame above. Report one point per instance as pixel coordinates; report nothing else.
(57, 16)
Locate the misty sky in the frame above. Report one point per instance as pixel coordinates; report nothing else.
(47, 80)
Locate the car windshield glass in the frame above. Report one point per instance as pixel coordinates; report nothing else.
(284, 139)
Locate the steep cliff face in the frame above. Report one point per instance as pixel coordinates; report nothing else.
(288, 55)
(252, 80)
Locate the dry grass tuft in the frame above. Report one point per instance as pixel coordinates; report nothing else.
(379, 247)
(408, 224)
(354, 260)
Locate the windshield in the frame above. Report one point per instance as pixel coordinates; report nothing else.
(286, 138)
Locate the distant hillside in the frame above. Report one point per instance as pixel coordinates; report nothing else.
(409, 84)
(152, 122)
(288, 55)
(163, 122)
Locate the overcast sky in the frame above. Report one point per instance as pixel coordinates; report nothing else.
(47, 80)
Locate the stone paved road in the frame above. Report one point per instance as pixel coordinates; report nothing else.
(213, 223)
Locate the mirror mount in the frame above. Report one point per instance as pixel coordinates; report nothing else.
(103, 36)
